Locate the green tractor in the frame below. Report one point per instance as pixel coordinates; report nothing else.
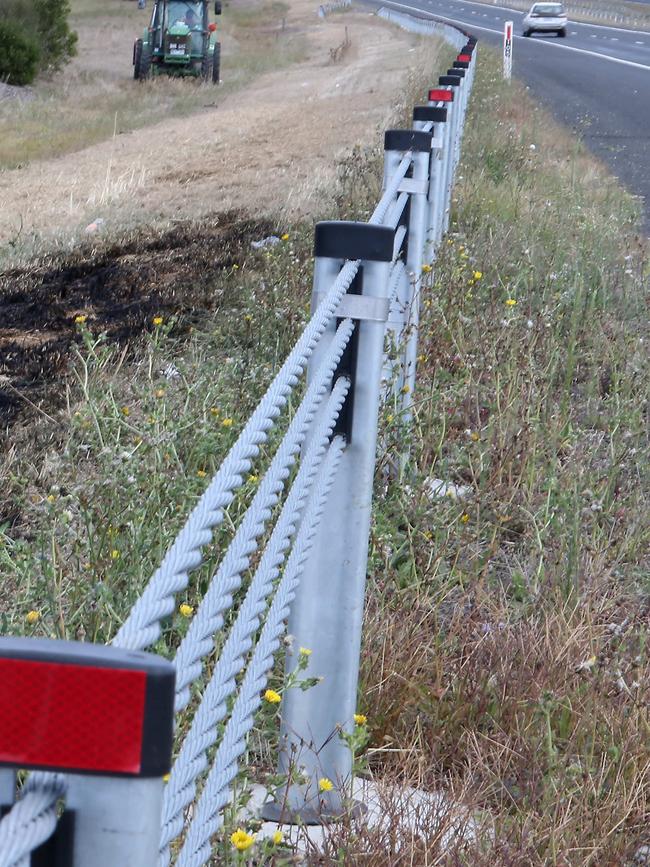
(180, 40)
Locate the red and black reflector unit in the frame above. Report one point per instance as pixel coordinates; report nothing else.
(85, 708)
(439, 95)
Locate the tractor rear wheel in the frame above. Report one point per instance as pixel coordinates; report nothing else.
(137, 58)
(216, 63)
(142, 61)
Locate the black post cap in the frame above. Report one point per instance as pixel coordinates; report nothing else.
(340, 239)
(460, 64)
(460, 73)
(407, 140)
(453, 80)
(426, 113)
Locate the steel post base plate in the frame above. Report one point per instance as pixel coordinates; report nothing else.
(282, 815)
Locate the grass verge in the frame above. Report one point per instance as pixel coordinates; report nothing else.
(505, 648)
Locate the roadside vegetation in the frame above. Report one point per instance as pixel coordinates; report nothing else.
(95, 98)
(505, 655)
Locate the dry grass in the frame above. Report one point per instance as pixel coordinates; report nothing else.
(95, 97)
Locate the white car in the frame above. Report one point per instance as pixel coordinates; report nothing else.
(545, 18)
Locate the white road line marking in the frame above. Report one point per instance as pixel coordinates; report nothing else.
(579, 23)
(559, 45)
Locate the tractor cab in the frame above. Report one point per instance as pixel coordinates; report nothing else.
(180, 40)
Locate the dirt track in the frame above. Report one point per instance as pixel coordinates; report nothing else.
(272, 146)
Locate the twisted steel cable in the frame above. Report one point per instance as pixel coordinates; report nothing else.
(142, 627)
(199, 640)
(192, 760)
(196, 850)
(386, 201)
(31, 820)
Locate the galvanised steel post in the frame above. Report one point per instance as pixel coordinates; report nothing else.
(103, 717)
(326, 615)
(396, 144)
(393, 368)
(452, 81)
(7, 788)
(116, 820)
(439, 98)
(422, 115)
(416, 238)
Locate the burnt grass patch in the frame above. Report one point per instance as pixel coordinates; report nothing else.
(119, 286)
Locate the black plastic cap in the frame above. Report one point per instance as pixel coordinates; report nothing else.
(460, 64)
(407, 140)
(339, 239)
(426, 113)
(460, 73)
(453, 80)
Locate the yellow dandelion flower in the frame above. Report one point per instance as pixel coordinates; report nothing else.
(253, 478)
(389, 417)
(285, 237)
(185, 609)
(475, 436)
(464, 518)
(426, 269)
(214, 410)
(201, 474)
(478, 275)
(51, 498)
(80, 319)
(406, 389)
(125, 410)
(115, 554)
(510, 302)
(360, 719)
(305, 651)
(241, 840)
(277, 837)
(157, 320)
(272, 696)
(248, 317)
(422, 358)
(33, 617)
(325, 785)
(227, 422)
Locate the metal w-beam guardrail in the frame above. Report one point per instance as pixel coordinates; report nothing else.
(94, 724)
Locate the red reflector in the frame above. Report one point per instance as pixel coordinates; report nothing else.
(71, 716)
(466, 58)
(441, 96)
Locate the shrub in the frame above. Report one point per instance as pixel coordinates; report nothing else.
(43, 24)
(58, 42)
(19, 54)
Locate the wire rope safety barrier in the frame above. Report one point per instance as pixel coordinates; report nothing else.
(93, 724)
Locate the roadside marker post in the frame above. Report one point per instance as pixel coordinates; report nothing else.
(507, 49)
(103, 717)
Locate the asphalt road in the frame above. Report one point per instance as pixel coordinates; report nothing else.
(596, 81)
